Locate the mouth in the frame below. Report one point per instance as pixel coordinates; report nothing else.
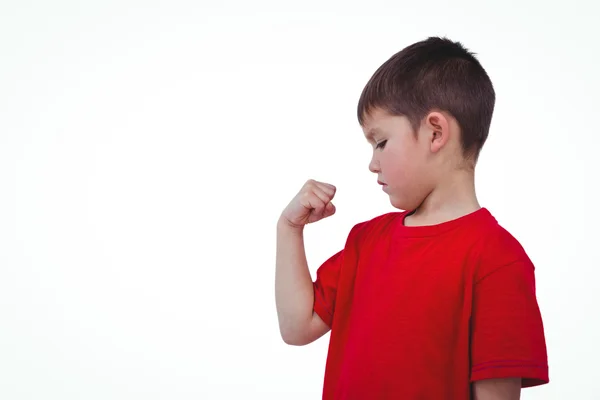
(381, 183)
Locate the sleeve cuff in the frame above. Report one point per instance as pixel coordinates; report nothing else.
(320, 308)
(530, 373)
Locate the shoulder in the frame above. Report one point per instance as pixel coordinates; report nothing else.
(498, 248)
(378, 224)
(380, 221)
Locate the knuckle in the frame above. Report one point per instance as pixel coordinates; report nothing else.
(307, 194)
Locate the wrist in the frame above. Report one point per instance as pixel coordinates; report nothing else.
(286, 226)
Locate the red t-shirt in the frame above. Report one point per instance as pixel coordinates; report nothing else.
(421, 312)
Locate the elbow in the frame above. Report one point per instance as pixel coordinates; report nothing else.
(293, 342)
(293, 338)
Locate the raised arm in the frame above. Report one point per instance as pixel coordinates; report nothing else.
(294, 293)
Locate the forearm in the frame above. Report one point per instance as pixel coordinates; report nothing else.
(294, 293)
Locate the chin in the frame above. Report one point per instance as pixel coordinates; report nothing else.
(401, 205)
(404, 204)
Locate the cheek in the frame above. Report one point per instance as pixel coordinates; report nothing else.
(402, 168)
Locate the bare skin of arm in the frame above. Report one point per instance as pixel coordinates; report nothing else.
(497, 389)
(298, 323)
(294, 292)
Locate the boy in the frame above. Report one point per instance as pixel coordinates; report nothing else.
(436, 302)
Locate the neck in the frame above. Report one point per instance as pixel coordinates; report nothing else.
(451, 200)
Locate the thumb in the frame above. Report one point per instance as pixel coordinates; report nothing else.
(329, 210)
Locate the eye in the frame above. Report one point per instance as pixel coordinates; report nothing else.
(381, 144)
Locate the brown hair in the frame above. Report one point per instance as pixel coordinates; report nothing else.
(436, 73)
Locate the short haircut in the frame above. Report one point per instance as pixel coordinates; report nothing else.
(434, 74)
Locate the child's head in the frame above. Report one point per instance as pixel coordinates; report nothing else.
(427, 112)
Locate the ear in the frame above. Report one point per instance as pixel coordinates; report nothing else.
(438, 127)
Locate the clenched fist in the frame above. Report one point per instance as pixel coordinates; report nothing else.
(311, 204)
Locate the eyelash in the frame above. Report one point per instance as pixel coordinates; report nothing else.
(381, 144)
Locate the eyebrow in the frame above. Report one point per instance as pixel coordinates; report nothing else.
(372, 132)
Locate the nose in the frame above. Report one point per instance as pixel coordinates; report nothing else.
(374, 165)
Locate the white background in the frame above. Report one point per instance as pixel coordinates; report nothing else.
(147, 149)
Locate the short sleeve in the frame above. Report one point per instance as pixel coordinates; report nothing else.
(325, 287)
(507, 334)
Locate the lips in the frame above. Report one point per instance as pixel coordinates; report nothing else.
(381, 183)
